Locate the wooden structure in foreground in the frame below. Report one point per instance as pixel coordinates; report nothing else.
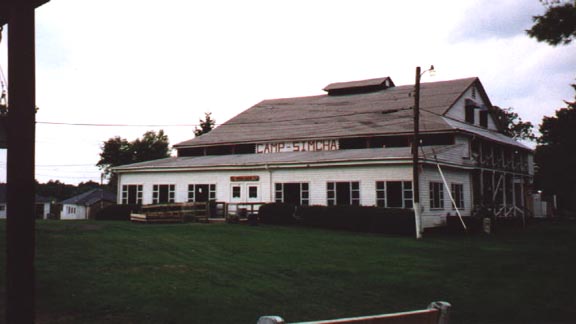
(20, 123)
(436, 313)
(200, 212)
(178, 212)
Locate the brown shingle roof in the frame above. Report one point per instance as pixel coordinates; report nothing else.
(387, 111)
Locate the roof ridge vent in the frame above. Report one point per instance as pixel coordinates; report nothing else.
(361, 86)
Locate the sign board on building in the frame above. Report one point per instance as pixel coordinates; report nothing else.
(298, 146)
(244, 178)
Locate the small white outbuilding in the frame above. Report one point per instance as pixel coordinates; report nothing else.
(86, 205)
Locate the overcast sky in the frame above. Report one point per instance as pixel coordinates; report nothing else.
(168, 62)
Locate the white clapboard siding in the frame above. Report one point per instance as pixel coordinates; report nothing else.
(317, 179)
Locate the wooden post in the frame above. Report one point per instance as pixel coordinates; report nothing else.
(415, 140)
(20, 225)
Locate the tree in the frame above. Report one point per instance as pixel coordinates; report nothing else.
(512, 125)
(206, 125)
(557, 25)
(118, 151)
(56, 190)
(555, 156)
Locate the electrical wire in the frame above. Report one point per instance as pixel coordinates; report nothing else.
(228, 123)
(116, 125)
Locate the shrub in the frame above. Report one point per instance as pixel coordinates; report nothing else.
(116, 212)
(473, 224)
(277, 214)
(359, 218)
(313, 216)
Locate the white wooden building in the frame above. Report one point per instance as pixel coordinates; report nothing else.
(41, 209)
(87, 204)
(350, 146)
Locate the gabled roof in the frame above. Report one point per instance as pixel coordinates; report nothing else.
(90, 197)
(388, 111)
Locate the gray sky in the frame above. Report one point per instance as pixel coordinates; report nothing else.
(166, 63)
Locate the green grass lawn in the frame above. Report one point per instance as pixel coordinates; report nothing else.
(117, 272)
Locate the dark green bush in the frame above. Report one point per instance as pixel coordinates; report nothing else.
(473, 224)
(358, 218)
(277, 214)
(313, 216)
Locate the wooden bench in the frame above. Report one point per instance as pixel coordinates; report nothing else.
(436, 313)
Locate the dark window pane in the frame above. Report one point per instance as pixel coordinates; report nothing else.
(235, 192)
(343, 193)
(394, 194)
(252, 192)
(355, 185)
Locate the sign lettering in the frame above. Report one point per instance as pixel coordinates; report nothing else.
(298, 146)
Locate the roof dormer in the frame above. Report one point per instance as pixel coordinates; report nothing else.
(361, 86)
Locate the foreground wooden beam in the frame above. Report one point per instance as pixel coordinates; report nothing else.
(20, 239)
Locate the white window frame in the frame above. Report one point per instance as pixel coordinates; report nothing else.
(458, 196)
(406, 193)
(436, 190)
(125, 190)
(156, 193)
(331, 192)
(192, 191)
(304, 192)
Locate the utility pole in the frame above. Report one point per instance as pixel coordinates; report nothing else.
(415, 143)
(415, 171)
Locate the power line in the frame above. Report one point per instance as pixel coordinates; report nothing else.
(63, 165)
(228, 123)
(53, 176)
(117, 125)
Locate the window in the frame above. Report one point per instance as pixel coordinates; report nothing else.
(236, 191)
(163, 194)
(132, 194)
(71, 210)
(394, 194)
(457, 191)
(483, 118)
(436, 195)
(469, 114)
(2, 207)
(201, 192)
(252, 192)
(343, 193)
(292, 193)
